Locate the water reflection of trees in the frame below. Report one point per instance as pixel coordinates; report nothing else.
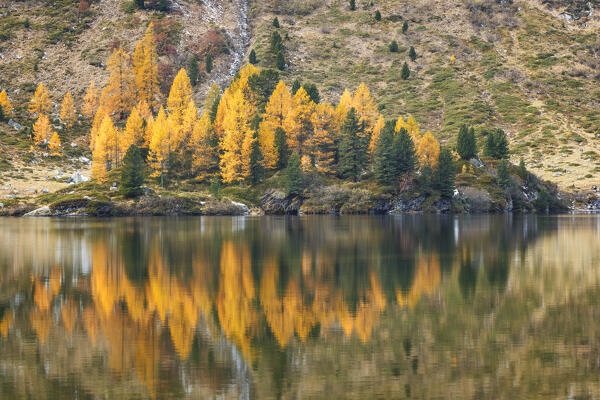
(204, 306)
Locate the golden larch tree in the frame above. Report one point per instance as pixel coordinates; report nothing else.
(134, 129)
(54, 145)
(205, 157)
(90, 101)
(5, 103)
(222, 110)
(178, 102)
(428, 150)
(412, 126)
(366, 110)
(159, 147)
(145, 69)
(42, 130)
(111, 138)
(376, 133)
(236, 126)
(95, 130)
(344, 105)
(100, 159)
(68, 115)
(325, 139)
(119, 93)
(40, 102)
(277, 110)
(400, 124)
(298, 124)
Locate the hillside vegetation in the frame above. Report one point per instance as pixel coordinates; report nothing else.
(527, 67)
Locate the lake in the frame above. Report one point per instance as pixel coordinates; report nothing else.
(323, 307)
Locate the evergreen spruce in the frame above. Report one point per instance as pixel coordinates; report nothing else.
(215, 187)
(425, 180)
(193, 70)
(2, 115)
(445, 174)
(280, 61)
(352, 148)
(276, 42)
(294, 181)
(295, 86)
(281, 147)
(542, 202)
(523, 174)
(214, 108)
(377, 15)
(252, 57)
(276, 22)
(352, 5)
(393, 46)
(496, 145)
(163, 5)
(140, 4)
(412, 54)
(405, 74)
(383, 159)
(404, 152)
(312, 92)
(466, 145)
(209, 63)
(502, 174)
(132, 173)
(405, 27)
(257, 170)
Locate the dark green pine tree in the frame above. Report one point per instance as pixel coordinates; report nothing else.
(404, 152)
(281, 147)
(425, 180)
(276, 22)
(214, 108)
(445, 174)
(193, 69)
(502, 174)
(140, 4)
(312, 91)
(209, 63)
(257, 170)
(405, 74)
(276, 42)
(352, 149)
(412, 54)
(252, 57)
(466, 145)
(496, 145)
(404, 26)
(295, 86)
(280, 61)
(294, 181)
(2, 116)
(393, 47)
(383, 159)
(523, 174)
(132, 173)
(377, 15)
(352, 5)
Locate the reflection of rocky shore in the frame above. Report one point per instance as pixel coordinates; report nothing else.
(252, 307)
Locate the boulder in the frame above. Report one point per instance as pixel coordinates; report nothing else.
(243, 208)
(39, 212)
(84, 160)
(277, 202)
(77, 178)
(113, 189)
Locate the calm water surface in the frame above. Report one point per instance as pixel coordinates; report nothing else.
(470, 307)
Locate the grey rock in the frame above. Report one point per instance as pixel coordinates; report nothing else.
(77, 178)
(243, 208)
(40, 212)
(45, 190)
(113, 189)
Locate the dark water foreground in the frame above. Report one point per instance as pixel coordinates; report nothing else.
(468, 307)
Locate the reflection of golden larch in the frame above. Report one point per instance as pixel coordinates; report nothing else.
(6, 323)
(426, 280)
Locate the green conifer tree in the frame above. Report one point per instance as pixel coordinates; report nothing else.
(132, 173)
(294, 180)
(377, 15)
(445, 174)
(405, 74)
(193, 70)
(383, 159)
(209, 63)
(280, 61)
(352, 5)
(312, 91)
(276, 22)
(295, 86)
(252, 57)
(502, 174)
(393, 47)
(353, 148)
(466, 145)
(412, 54)
(404, 26)
(404, 152)
(281, 147)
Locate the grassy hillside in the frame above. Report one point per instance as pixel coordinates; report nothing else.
(521, 66)
(529, 67)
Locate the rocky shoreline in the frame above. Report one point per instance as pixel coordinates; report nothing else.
(329, 200)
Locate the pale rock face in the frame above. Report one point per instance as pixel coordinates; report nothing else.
(40, 212)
